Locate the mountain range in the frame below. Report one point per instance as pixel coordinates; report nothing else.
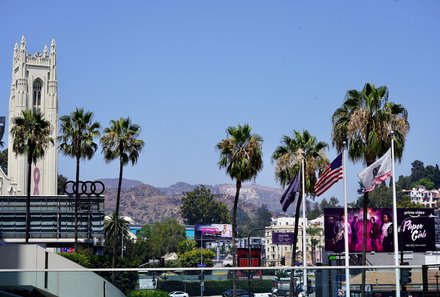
(147, 204)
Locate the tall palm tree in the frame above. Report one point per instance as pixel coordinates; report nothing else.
(288, 157)
(77, 134)
(31, 137)
(289, 154)
(241, 155)
(120, 141)
(116, 229)
(314, 231)
(366, 121)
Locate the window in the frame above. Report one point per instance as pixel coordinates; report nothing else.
(36, 101)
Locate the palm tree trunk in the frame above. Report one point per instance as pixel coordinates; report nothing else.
(234, 234)
(28, 199)
(118, 199)
(76, 202)
(364, 241)
(292, 264)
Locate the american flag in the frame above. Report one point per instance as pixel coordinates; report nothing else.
(332, 173)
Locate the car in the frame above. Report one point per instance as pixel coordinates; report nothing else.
(280, 293)
(178, 294)
(238, 293)
(285, 292)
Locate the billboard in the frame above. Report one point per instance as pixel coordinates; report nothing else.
(417, 229)
(416, 234)
(214, 230)
(282, 238)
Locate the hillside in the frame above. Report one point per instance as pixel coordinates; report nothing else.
(147, 204)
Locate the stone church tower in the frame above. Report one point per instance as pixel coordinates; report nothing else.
(34, 86)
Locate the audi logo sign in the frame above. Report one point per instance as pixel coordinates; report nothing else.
(87, 188)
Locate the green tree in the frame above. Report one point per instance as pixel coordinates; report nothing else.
(186, 246)
(403, 183)
(4, 160)
(163, 237)
(199, 207)
(333, 202)
(242, 157)
(426, 182)
(288, 157)
(116, 230)
(365, 121)
(417, 171)
(62, 180)
(193, 257)
(405, 202)
(31, 137)
(433, 173)
(262, 218)
(243, 222)
(120, 141)
(314, 232)
(77, 135)
(381, 197)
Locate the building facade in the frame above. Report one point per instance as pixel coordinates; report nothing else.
(34, 86)
(277, 254)
(427, 198)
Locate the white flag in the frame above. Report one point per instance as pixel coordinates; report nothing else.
(377, 172)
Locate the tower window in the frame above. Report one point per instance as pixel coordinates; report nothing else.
(36, 95)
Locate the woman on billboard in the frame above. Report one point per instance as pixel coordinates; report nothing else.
(386, 236)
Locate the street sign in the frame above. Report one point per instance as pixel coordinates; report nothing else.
(201, 265)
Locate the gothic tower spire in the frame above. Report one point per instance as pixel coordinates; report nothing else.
(34, 86)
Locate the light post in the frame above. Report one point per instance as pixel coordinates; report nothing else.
(201, 247)
(436, 275)
(201, 264)
(122, 244)
(249, 256)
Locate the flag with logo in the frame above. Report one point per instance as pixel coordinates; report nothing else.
(332, 173)
(377, 172)
(290, 194)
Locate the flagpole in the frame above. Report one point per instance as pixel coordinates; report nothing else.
(304, 227)
(347, 252)
(396, 245)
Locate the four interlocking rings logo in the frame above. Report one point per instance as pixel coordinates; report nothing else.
(87, 188)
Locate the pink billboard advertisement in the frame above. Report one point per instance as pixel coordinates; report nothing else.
(415, 226)
(214, 230)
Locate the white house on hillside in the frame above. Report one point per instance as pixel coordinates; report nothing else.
(420, 195)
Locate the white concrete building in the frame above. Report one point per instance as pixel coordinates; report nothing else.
(274, 253)
(34, 86)
(420, 195)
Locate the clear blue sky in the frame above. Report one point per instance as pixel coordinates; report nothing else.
(186, 70)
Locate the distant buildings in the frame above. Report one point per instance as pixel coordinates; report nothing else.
(276, 254)
(427, 198)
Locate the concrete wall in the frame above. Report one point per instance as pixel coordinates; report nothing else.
(63, 284)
